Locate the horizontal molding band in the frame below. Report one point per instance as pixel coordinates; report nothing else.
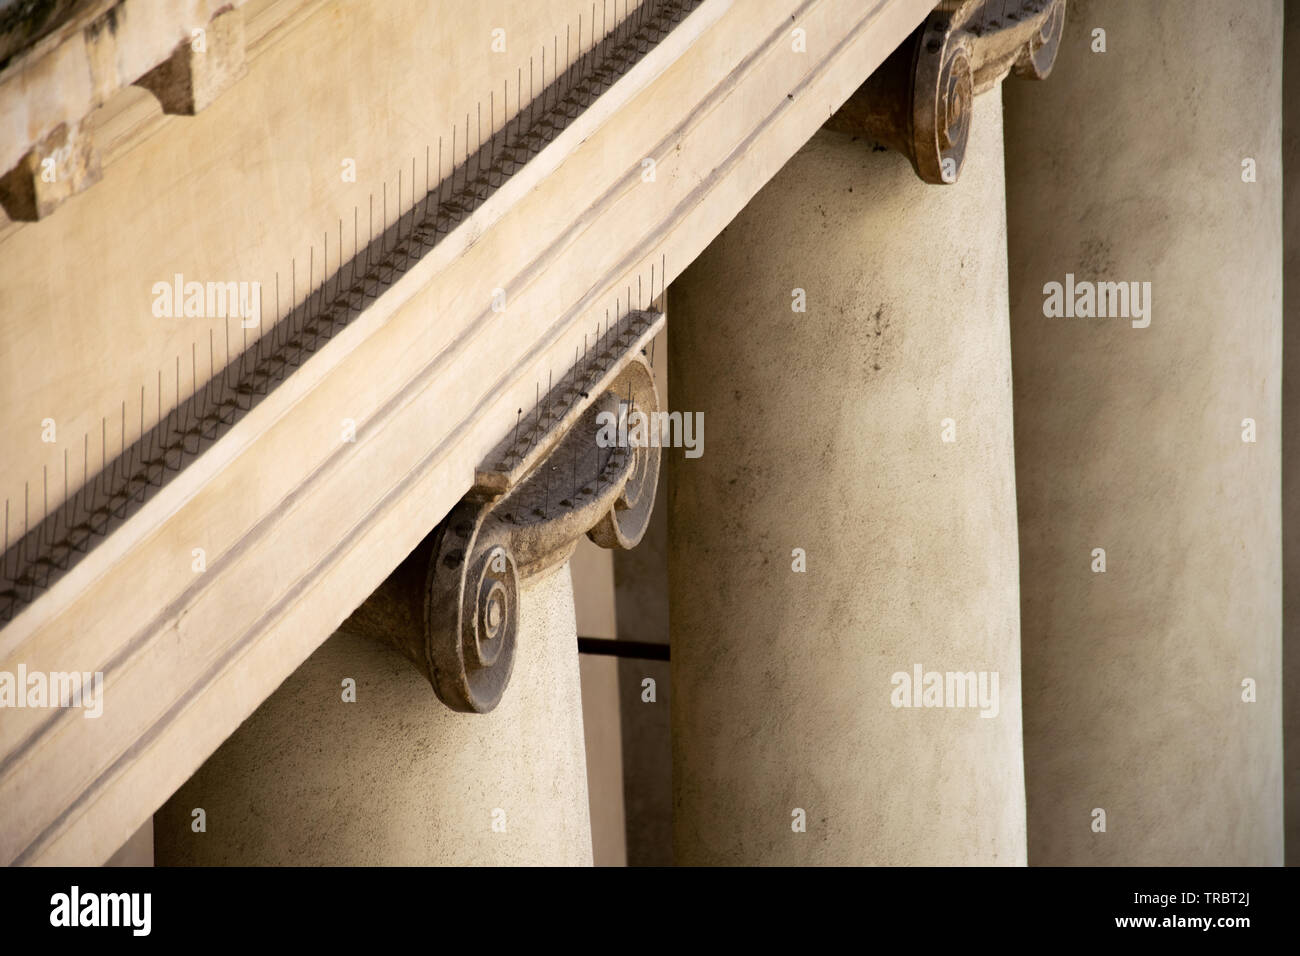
(722, 104)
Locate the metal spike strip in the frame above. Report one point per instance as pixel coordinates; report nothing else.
(45, 551)
(521, 451)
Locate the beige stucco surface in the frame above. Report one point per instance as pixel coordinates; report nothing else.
(823, 432)
(251, 190)
(396, 778)
(1130, 439)
(1291, 434)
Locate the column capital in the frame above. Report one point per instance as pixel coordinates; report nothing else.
(452, 606)
(919, 100)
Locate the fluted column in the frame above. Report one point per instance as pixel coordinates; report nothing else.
(852, 519)
(1148, 441)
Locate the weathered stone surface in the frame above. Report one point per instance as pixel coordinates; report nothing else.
(201, 68)
(396, 778)
(1130, 439)
(919, 100)
(825, 434)
(62, 165)
(1291, 436)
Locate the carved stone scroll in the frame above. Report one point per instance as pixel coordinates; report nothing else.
(919, 100)
(452, 606)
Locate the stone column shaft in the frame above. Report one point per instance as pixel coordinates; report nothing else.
(1152, 687)
(397, 778)
(828, 448)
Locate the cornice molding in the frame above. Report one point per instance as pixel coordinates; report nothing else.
(300, 528)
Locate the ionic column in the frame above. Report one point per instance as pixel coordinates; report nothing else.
(474, 755)
(396, 778)
(851, 520)
(1148, 440)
